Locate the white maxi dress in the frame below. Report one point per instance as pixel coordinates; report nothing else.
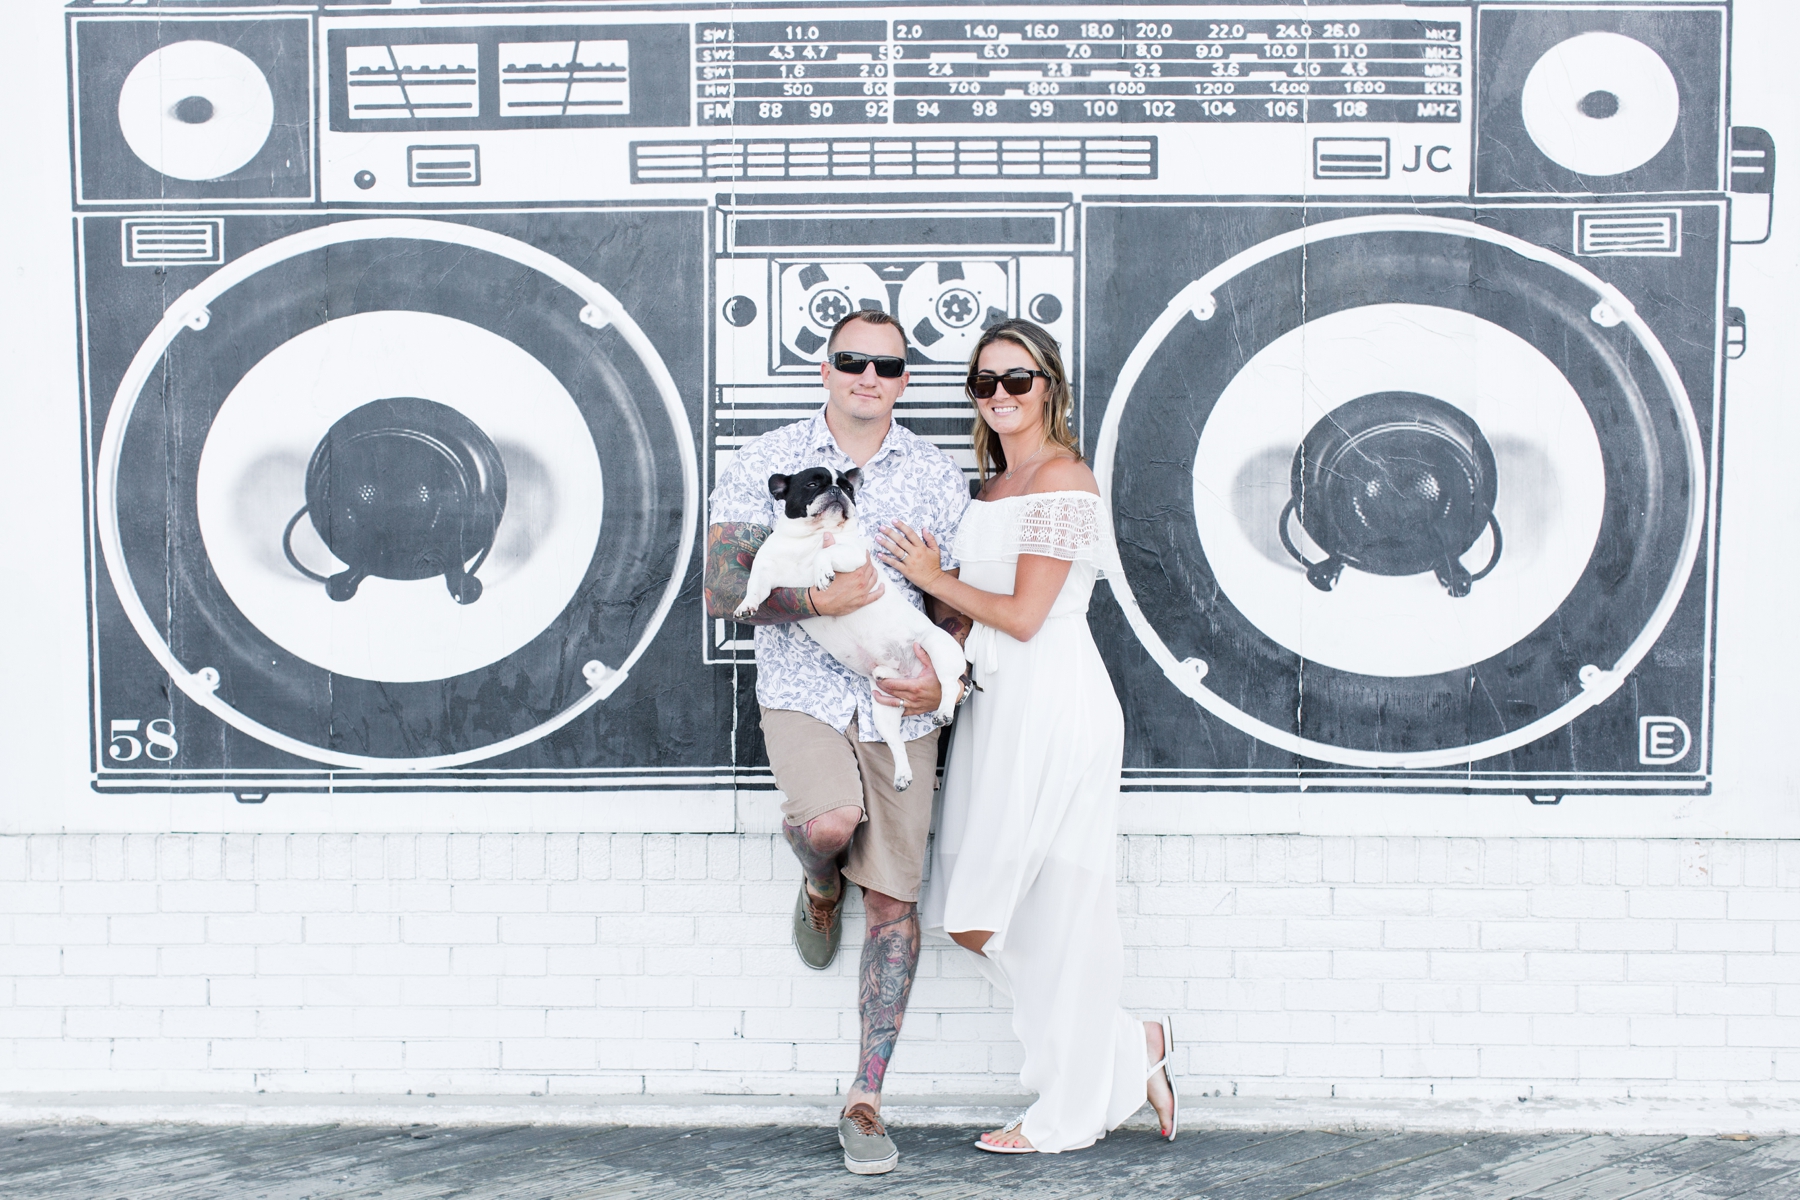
(1027, 832)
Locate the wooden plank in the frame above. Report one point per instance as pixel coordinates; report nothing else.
(1345, 1164)
(1521, 1177)
(126, 1166)
(1475, 1154)
(563, 1151)
(259, 1156)
(385, 1155)
(1768, 1170)
(1635, 1175)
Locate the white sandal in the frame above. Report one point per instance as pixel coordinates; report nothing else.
(1016, 1127)
(1162, 1064)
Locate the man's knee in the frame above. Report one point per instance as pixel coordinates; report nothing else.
(830, 831)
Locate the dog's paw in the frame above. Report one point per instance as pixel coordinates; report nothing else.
(901, 783)
(941, 719)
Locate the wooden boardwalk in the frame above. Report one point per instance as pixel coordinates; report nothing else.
(87, 1162)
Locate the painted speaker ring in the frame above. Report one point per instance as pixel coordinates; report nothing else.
(597, 308)
(1392, 703)
(1592, 682)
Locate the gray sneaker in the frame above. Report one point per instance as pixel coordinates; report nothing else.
(868, 1150)
(817, 928)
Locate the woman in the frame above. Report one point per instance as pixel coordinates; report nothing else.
(1024, 863)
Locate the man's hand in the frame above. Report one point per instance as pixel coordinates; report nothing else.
(920, 694)
(849, 591)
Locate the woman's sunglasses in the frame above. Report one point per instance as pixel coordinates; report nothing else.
(1017, 382)
(887, 366)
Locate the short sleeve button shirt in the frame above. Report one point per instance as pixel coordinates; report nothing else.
(908, 479)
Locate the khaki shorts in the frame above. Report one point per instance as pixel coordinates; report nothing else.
(819, 769)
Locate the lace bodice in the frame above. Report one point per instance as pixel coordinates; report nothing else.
(1071, 526)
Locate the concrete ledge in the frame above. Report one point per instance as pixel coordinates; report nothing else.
(1207, 1112)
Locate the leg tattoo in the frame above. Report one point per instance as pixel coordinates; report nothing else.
(890, 958)
(819, 862)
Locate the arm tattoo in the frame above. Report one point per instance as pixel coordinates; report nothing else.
(730, 549)
(890, 958)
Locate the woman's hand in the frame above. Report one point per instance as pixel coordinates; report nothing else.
(914, 555)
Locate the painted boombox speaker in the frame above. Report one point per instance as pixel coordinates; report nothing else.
(1394, 483)
(405, 489)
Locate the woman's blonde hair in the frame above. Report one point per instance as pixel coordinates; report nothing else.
(1059, 400)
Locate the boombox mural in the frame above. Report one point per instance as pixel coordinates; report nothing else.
(413, 336)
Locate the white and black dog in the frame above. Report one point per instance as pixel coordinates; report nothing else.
(876, 641)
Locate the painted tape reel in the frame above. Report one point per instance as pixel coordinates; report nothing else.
(196, 110)
(660, 536)
(1600, 104)
(1214, 653)
(816, 296)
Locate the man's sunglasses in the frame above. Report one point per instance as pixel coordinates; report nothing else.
(1016, 382)
(887, 366)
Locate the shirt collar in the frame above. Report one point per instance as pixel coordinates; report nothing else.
(896, 441)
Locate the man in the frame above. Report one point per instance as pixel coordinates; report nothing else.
(841, 813)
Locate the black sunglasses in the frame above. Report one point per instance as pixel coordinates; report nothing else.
(1017, 382)
(887, 366)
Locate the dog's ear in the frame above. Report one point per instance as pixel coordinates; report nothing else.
(778, 486)
(850, 480)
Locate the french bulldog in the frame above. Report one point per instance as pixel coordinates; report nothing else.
(817, 537)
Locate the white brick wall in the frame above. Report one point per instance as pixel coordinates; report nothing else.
(1362, 968)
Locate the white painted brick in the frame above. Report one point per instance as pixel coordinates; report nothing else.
(402, 960)
(1284, 901)
(1238, 931)
(1371, 860)
(1430, 934)
(1464, 864)
(208, 960)
(1380, 902)
(497, 857)
(208, 896)
(1332, 933)
(162, 929)
(109, 898)
(109, 960)
(1531, 1063)
(1728, 1000)
(1577, 1030)
(1431, 997)
(1737, 1066)
(465, 856)
(1675, 968)
(1565, 862)
(1539, 934)
(302, 896)
(1480, 903)
(305, 960)
(53, 930)
(1582, 903)
(42, 857)
(1742, 936)
(1380, 964)
(1477, 965)
(1627, 1064)
(1586, 967)
(1627, 998)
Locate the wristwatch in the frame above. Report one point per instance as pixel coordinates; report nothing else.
(969, 687)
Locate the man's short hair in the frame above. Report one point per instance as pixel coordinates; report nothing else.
(870, 316)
